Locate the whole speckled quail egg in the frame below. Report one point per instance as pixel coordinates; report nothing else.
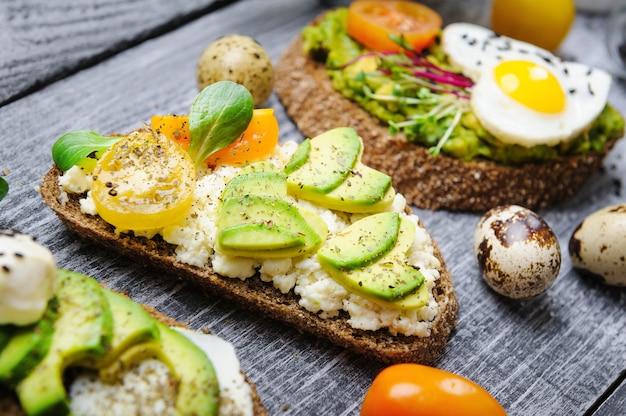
(240, 59)
(516, 251)
(598, 245)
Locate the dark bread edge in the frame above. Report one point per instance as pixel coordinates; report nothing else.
(262, 297)
(442, 182)
(10, 406)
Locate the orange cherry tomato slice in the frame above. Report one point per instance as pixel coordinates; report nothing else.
(173, 127)
(419, 390)
(256, 142)
(371, 22)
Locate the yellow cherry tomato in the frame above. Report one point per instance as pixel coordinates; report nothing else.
(419, 390)
(143, 182)
(544, 23)
(256, 142)
(371, 23)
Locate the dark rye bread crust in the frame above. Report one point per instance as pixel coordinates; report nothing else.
(441, 182)
(9, 403)
(256, 295)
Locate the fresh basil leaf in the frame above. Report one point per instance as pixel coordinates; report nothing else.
(219, 114)
(4, 188)
(75, 146)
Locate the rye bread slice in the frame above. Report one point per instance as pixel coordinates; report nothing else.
(10, 406)
(430, 182)
(260, 296)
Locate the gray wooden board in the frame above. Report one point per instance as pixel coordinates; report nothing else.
(45, 40)
(553, 355)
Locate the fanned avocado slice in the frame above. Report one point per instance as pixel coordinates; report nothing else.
(198, 388)
(83, 329)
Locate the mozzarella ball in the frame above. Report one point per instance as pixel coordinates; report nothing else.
(517, 253)
(525, 95)
(598, 245)
(239, 59)
(28, 278)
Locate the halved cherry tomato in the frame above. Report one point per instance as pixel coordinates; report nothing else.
(175, 127)
(256, 142)
(142, 182)
(419, 390)
(371, 22)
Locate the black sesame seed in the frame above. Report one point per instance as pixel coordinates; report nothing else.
(19, 255)
(6, 268)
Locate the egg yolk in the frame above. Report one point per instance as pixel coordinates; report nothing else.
(531, 85)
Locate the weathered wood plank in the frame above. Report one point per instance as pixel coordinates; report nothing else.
(44, 40)
(552, 355)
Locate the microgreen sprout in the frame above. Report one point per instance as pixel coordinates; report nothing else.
(412, 80)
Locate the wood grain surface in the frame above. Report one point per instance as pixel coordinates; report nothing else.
(109, 65)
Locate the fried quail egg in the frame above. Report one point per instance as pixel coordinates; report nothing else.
(523, 94)
(516, 251)
(598, 245)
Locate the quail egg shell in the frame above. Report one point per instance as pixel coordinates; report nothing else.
(598, 245)
(516, 251)
(239, 59)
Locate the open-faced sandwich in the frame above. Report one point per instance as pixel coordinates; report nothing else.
(302, 232)
(461, 118)
(68, 345)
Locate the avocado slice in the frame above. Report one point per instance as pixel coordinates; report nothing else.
(362, 243)
(387, 279)
(330, 159)
(364, 190)
(198, 388)
(299, 157)
(262, 183)
(26, 346)
(264, 236)
(276, 228)
(327, 170)
(83, 329)
(132, 324)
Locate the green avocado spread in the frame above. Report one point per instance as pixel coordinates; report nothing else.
(430, 113)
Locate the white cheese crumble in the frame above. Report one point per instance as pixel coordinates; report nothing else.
(146, 389)
(194, 237)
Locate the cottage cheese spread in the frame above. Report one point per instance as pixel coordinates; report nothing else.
(194, 237)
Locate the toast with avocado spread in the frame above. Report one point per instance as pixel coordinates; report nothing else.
(325, 79)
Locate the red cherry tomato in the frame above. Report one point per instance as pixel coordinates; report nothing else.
(419, 390)
(371, 23)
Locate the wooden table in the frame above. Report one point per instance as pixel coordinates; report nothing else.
(109, 65)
